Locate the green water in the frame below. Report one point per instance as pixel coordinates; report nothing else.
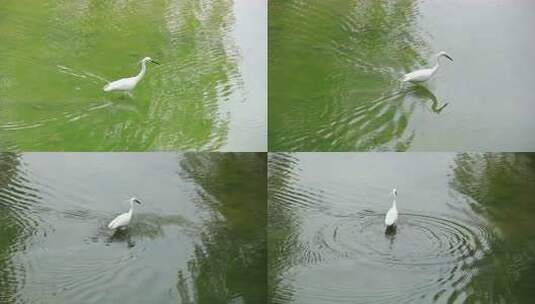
(334, 69)
(465, 232)
(208, 93)
(198, 237)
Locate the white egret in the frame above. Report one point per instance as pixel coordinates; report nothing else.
(424, 74)
(123, 220)
(128, 84)
(392, 214)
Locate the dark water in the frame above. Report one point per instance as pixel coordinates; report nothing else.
(209, 92)
(465, 232)
(334, 70)
(199, 236)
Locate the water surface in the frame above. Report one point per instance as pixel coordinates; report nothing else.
(208, 93)
(465, 232)
(334, 70)
(198, 237)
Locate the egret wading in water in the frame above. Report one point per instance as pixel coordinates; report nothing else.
(122, 220)
(392, 214)
(128, 84)
(424, 74)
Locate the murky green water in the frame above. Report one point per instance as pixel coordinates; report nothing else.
(465, 232)
(334, 68)
(208, 93)
(199, 236)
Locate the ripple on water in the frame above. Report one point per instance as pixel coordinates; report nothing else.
(189, 101)
(353, 56)
(419, 240)
(21, 203)
(443, 248)
(61, 119)
(19, 217)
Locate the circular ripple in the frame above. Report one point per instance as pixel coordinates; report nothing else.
(442, 250)
(418, 240)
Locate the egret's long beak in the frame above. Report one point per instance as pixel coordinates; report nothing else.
(446, 55)
(137, 201)
(154, 61)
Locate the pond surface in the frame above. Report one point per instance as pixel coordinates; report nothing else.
(334, 70)
(198, 237)
(465, 232)
(209, 92)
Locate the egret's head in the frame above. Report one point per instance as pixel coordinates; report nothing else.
(135, 200)
(445, 55)
(148, 59)
(395, 192)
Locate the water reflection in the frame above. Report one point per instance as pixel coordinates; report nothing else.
(501, 187)
(390, 232)
(198, 238)
(334, 81)
(282, 225)
(122, 236)
(237, 228)
(424, 95)
(62, 54)
(352, 91)
(146, 226)
(12, 231)
(462, 224)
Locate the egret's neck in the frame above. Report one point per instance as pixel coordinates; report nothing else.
(131, 207)
(142, 72)
(394, 204)
(437, 64)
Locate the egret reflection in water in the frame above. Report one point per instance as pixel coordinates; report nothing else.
(462, 235)
(390, 234)
(422, 94)
(147, 226)
(196, 240)
(202, 97)
(390, 231)
(334, 67)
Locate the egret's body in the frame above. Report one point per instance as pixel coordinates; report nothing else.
(128, 84)
(123, 220)
(424, 74)
(392, 214)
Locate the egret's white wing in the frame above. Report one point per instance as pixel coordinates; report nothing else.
(124, 84)
(418, 76)
(391, 216)
(120, 221)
